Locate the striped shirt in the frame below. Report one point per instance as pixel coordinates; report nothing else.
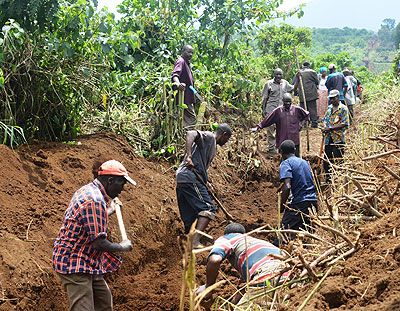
(84, 221)
(255, 264)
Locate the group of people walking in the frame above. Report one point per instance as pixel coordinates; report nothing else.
(82, 254)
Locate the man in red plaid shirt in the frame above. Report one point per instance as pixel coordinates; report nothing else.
(82, 253)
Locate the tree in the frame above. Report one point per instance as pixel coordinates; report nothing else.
(389, 23)
(29, 13)
(279, 42)
(385, 34)
(396, 36)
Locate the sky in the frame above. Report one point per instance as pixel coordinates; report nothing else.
(367, 14)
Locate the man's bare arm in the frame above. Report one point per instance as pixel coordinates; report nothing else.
(191, 137)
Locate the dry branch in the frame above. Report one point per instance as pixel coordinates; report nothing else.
(384, 154)
(355, 218)
(391, 172)
(334, 231)
(306, 265)
(346, 254)
(364, 205)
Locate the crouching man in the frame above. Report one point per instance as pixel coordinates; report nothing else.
(252, 258)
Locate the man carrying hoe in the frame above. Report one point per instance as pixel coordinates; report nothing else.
(182, 76)
(82, 254)
(298, 183)
(194, 201)
(310, 85)
(289, 121)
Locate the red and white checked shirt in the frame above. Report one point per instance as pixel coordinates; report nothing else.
(84, 221)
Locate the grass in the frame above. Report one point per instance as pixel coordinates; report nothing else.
(12, 135)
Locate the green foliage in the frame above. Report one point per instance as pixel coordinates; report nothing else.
(11, 135)
(385, 35)
(341, 60)
(277, 46)
(336, 41)
(365, 48)
(48, 77)
(79, 70)
(29, 13)
(396, 36)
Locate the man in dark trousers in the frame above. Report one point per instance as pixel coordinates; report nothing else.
(336, 81)
(82, 254)
(194, 201)
(336, 121)
(310, 84)
(298, 183)
(183, 78)
(289, 121)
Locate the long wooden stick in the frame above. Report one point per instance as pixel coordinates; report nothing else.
(120, 222)
(304, 98)
(375, 156)
(227, 214)
(315, 290)
(391, 172)
(321, 149)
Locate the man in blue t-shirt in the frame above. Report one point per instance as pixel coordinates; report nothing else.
(298, 183)
(336, 81)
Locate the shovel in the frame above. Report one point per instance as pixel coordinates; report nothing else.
(227, 214)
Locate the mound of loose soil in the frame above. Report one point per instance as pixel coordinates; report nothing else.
(367, 281)
(37, 185)
(35, 189)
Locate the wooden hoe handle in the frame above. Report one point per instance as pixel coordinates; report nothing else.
(120, 221)
(227, 214)
(321, 149)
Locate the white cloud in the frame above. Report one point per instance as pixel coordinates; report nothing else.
(289, 4)
(111, 6)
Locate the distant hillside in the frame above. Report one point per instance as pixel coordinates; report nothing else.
(366, 48)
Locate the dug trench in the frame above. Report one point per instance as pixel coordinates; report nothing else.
(38, 182)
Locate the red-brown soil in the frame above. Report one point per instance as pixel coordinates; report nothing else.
(367, 281)
(38, 182)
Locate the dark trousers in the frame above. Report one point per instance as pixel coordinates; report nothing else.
(334, 152)
(193, 201)
(296, 217)
(312, 108)
(351, 113)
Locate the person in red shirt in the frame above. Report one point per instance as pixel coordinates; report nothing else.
(82, 254)
(183, 78)
(289, 121)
